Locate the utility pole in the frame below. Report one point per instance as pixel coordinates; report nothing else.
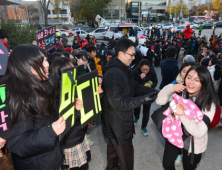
(181, 10)
(27, 13)
(121, 12)
(148, 19)
(139, 15)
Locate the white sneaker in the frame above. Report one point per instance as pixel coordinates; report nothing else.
(178, 160)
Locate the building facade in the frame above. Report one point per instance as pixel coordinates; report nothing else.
(59, 16)
(137, 11)
(4, 12)
(115, 11)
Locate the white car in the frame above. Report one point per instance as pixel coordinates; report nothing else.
(179, 28)
(81, 33)
(157, 26)
(62, 33)
(167, 26)
(110, 31)
(99, 33)
(193, 26)
(147, 28)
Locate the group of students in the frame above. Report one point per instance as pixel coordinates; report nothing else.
(32, 81)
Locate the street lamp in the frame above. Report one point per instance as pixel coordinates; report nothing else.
(149, 11)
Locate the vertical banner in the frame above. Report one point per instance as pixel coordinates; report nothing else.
(87, 86)
(46, 38)
(3, 58)
(68, 97)
(4, 114)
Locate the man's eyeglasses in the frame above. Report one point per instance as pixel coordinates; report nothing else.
(132, 55)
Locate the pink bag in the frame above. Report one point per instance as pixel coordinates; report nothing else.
(171, 128)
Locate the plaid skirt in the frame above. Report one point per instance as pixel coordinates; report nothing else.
(76, 156)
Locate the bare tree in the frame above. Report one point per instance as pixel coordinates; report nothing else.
(45, 5)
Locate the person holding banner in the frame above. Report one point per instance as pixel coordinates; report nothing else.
(35, 124)
(75, 143)
(121, 96)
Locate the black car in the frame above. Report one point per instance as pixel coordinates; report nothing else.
(207, 26)
(218, 24)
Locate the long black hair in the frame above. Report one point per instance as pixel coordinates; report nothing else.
(207, 94)
(22, 85)
(186, 64)
(58, 64)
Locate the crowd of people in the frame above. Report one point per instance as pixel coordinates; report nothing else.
(128, 84)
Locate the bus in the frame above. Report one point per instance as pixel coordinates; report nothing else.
(200, 19)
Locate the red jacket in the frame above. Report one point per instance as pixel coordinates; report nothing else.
(5, 43)
(59, 45)
(187, 32)
(83, 43)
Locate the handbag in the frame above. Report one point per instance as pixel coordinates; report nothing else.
(158, 117)
(6, 162)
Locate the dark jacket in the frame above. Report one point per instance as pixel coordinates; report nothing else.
(157, 49)
(92, 64)
(169, 71)
(34, 144)
(118, 101)
(150, 76)
(176, 46)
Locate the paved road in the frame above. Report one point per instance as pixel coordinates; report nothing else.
(149, 150)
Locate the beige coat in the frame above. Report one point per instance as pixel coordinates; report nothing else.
(198, 130)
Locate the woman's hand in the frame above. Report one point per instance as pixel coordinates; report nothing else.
(142, 75)
(100, 90)
(78, 104)
(59, 126)
(2, 142)
(100, 80)
(179, 111)
(179, 87)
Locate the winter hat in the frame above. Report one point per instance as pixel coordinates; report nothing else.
(84, 53)
(74, 52)
(205, 62)
(188, 59)
(68, 49)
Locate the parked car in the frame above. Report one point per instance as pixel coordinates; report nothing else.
(207, 26)
(110, 31)
(197, 21)
(81, 33)
(99, 33)
(62, 33)
(147, 27)
(157, 26)
(71, 33)
(179, 28)
(193, 26)
(90, 30)
(218, 24)
(167, 26)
